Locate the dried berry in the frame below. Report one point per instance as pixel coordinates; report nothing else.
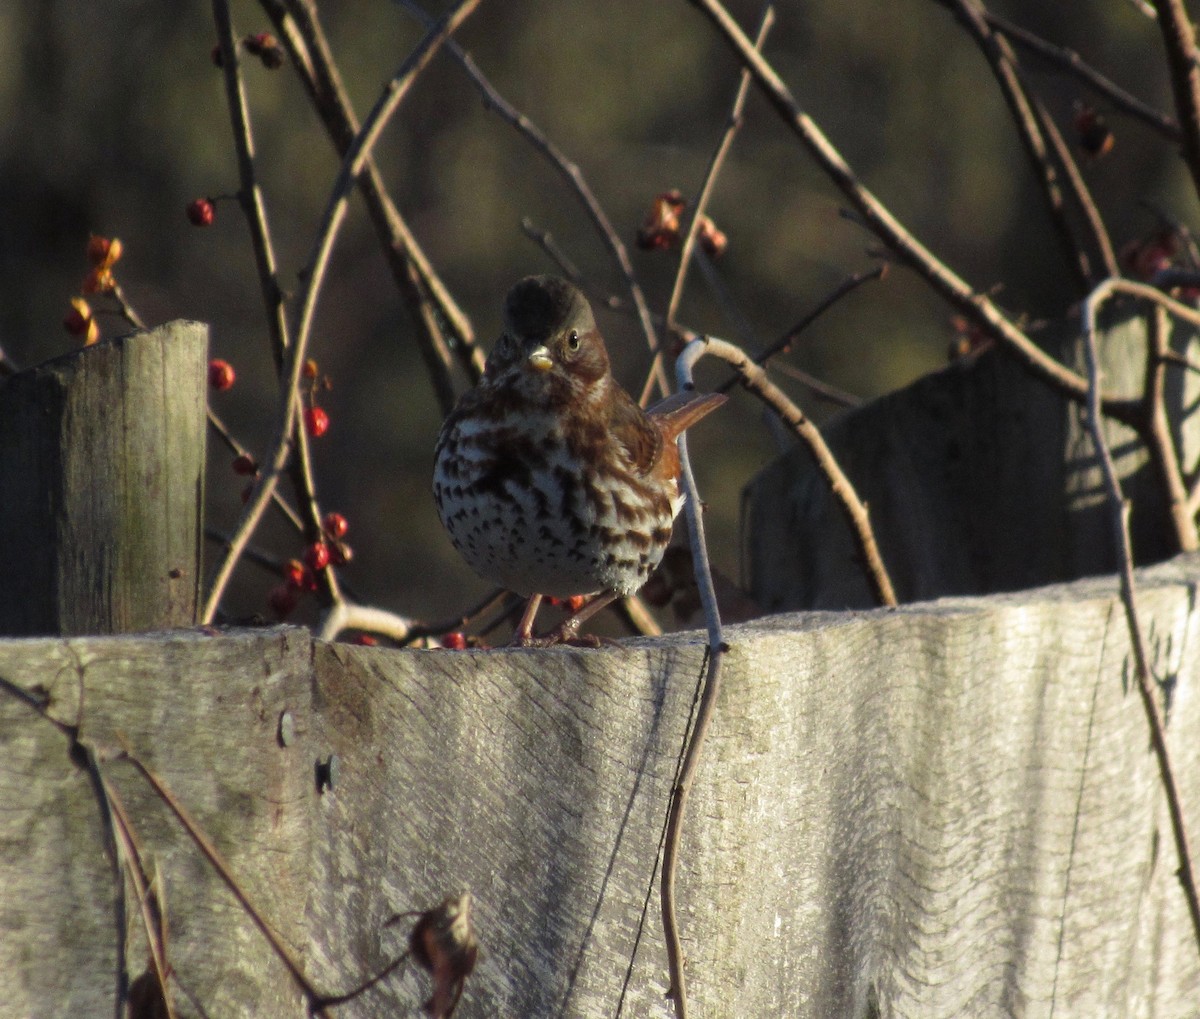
(282, 600)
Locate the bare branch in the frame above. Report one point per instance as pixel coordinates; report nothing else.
(1072, 62)
(209, 851)
(1159, 439)
(976, 307)
(995, 48)
(429, 301)
(571, 173)
(335, 213)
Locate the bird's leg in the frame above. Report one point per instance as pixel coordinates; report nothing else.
(523, 634)
(569, 630)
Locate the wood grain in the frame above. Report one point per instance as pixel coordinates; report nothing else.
(939, 811)
(102, 486)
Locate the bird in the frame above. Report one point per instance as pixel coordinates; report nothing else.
(548, 477)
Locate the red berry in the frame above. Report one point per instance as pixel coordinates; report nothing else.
(245, 465)
(201, 212)
(456, 640)
(247, 492)
(317, 556)
(316, 421)
(282, 600)
(575, 602)
(366, 640)
(221, 375)
(335, 525)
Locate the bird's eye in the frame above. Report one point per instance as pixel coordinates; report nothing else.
(573, 340)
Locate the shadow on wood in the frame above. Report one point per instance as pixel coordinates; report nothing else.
(945, 810)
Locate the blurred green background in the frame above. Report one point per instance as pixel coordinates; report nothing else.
(114, 118)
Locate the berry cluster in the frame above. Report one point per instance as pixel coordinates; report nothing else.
(103, 253)
(300, 575)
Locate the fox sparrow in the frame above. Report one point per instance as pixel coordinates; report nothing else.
(549, 478)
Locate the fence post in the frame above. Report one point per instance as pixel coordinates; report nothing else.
(102, 486)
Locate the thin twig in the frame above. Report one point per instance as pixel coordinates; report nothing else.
(427, 297)
(544, 239)
(237, 449)
(124, 308)
(335, 213)
(1000, 58)
(209, 851)
(1124, 549)
(1083, 194)
(1072, 62)
(755, 380)
(154, 925)
(250, 198)
(250, 194)
(714, 653)
(976, 307)
(827, 392)
(1179, 42)
(571, 173)
(366, 985)
(732, 126)
(637, 617)
(1158, 433)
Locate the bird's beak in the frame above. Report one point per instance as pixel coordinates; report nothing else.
(539, 360)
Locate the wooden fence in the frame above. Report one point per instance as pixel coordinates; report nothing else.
(948, 809)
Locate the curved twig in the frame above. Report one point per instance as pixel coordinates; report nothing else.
(215, 860)
(855, 511)
(249, 193)
(1137, 639)
(714, 652)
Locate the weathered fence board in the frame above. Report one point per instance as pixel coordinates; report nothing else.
(102, 486)
(945, 810)
(979, 478)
